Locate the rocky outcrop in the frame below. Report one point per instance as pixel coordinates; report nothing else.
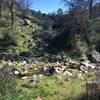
(37, 67)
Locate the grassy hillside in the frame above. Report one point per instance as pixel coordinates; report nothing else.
(49, 31)
(23, 38)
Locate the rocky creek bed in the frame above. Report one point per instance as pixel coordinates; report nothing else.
(38, 71)
(30, 68)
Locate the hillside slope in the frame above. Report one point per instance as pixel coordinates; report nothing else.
(26, 31)
(37, 32)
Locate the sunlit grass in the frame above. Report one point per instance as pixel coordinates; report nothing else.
(52, 88)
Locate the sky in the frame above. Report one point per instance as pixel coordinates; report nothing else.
(46, 6)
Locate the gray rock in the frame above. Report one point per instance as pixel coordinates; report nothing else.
(68, 74)
(94, 57)
(64, 67)
(16, 72)
(66, 63)
(85, 66)
(25, 78)
(58, 70)
(27, 22)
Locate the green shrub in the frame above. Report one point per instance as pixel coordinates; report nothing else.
(7, 83)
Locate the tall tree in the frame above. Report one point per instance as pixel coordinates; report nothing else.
(78, 18)
(23, 5)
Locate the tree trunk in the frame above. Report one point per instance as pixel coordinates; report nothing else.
(12, 15)
(0, 8)
(90, 9)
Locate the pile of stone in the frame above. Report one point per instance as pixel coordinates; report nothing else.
(86, 65)
(82, 65)
(60, 65)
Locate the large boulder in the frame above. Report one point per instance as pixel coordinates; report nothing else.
(94, 57)
(25, 22)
